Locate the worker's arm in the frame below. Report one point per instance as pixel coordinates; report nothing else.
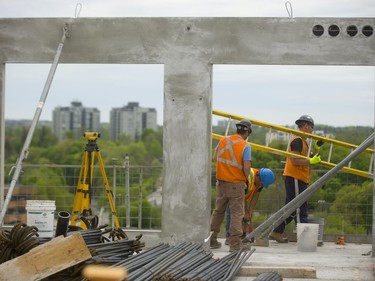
(250, 206)
(246, 157)
(305, 162)
(246, 168)
(299, 161)
(296, 148)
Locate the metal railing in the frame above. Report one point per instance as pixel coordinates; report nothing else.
(142, 185)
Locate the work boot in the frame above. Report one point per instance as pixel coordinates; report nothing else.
(227, 242)
(214, 244)
(234, 249)
(245, 246)
(278, 237)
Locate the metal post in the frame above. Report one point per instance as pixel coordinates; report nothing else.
(127, 196)
(114, 186)
(228, 126)
(140, 199)
(373, 205)
(2, 133)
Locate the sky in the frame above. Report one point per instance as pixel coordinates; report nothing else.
(332, 95)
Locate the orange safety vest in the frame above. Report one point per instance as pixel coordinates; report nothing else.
(297, 171)
(252, 186)
(229, 164)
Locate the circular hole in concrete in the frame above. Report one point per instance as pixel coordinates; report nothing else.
(333, 30)
(318, 30)
(367, 30)
(352, 30)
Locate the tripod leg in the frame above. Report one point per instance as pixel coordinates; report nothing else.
(108, 190)
(82, 196)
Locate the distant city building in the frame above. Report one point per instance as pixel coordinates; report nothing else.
(131, 120)
(76, 119)
(283, 136)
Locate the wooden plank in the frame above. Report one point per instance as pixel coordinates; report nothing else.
(286, 272)
(47, 259)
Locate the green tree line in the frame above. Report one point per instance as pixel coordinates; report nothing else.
(339, 193)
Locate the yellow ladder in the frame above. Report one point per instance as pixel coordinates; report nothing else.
(332, 142)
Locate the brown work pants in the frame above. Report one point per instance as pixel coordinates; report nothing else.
(229, 195)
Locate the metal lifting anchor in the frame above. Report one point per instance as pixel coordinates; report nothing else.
(25, 149)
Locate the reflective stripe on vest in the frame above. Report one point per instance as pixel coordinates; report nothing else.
(229, 165)
(298, 171)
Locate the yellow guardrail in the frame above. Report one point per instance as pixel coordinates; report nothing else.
(329, 141)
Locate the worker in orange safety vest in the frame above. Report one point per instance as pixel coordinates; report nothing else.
(297, 175)
(233, 162)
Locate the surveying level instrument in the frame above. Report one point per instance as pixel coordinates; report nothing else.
(82, 198)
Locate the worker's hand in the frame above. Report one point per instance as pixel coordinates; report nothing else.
(247, 216)
(318, 144)
(315, 159)
(247, 226)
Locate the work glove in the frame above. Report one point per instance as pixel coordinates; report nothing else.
(315, 159)
(318, 144)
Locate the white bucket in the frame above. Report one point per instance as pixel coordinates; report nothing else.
(41, 214)
(307, 237)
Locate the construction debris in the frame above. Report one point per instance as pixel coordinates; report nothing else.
(47, 259)
(17, 241)
(340, 240)
(65, 258)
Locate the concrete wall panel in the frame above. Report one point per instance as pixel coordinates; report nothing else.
(187, 47)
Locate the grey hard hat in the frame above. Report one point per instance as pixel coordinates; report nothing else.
(305, 118)
(244, 125)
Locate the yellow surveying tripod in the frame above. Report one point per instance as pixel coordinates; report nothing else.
(82, 199)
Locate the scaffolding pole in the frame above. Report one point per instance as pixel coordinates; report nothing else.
(25, 149)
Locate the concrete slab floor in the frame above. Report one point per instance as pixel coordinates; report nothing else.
(330, 261)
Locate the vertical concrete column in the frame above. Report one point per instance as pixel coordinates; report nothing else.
(187, 151)
(2, 133)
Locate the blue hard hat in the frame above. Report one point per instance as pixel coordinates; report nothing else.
(266, 176)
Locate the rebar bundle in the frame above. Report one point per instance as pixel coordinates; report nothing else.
(183, 262)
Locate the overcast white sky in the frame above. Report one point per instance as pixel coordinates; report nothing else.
(337, 96)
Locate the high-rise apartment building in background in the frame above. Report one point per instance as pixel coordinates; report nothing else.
(76, 118)
(131, 120)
